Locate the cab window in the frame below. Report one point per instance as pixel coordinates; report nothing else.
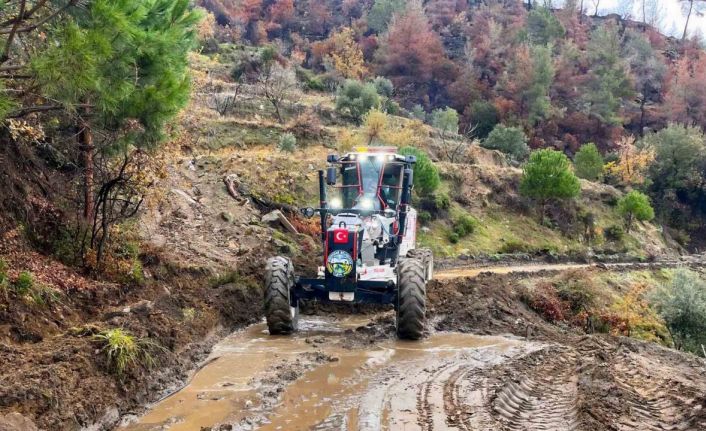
(391, 184)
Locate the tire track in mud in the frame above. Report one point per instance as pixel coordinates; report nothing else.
(542, 396)
(653, 402)
(428, 395)
(536, 390)
(452, 396)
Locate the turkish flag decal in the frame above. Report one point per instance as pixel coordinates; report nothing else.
(340, 236)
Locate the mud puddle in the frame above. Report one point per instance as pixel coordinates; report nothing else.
(321, 378)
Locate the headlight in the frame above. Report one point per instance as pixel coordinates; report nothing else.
(336, 203)
(366, 204)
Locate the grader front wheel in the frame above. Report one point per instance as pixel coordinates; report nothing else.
(281, 315)
(427, 258)
(411, 299)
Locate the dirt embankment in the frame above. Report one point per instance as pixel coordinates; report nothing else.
(52, 369)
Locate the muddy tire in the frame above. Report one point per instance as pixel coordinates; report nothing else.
(411, 299)
(279, 282)
(427, 258)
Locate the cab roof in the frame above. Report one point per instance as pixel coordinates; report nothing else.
(389, 153)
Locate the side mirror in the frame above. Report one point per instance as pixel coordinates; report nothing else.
(308, 212)
(331, 176)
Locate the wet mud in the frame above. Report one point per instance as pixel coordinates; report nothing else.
(320, 379)
(349, 372)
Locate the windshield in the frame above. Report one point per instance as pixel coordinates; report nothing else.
(363, 186)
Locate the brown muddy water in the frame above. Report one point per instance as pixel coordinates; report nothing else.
(326, 376)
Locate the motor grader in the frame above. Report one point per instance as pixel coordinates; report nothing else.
(369, 253)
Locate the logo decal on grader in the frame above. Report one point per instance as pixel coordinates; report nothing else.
(340, 263)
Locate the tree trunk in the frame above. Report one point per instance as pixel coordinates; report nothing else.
(88, 149)
(543, 209)
(581, 12)
(644, 14)
(277, 113)
(688, 15)
(642, 115)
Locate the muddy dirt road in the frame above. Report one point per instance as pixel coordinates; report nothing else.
(337, 372)
(348, 372)
(333, 377)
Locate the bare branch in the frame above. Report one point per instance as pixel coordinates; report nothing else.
(41, 21)
(32, 109)
(12, 32)
(26, 16)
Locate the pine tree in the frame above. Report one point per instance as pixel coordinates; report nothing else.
(635, 206)
(609, 83)
(543, 27)
(120, 66)
(547, 175)
(647, 69)
(537, 95)
(382, 12)
(588, 162)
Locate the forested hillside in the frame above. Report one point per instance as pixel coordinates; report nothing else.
(564, 79)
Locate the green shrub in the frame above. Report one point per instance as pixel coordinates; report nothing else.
(391, 107)
(287, 143)
(426, 175)
(484, 118)
(635, 206)
(3, 271)
(446, 120)
(310, 80)
(424, 217)
(419, 113)
(588, 163)
(4, 281)
(24, 283)
(615, 233)
(442, 201)
(577, 292)
(123, 350)
(681, 236)
(137, 274)
(67, 246)
(453, 238)
(509, 140)
(383, 86)
(355, 99)
(682, 305)
(42, 295)
(188, 314)
(512, 246)
(465, 225)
